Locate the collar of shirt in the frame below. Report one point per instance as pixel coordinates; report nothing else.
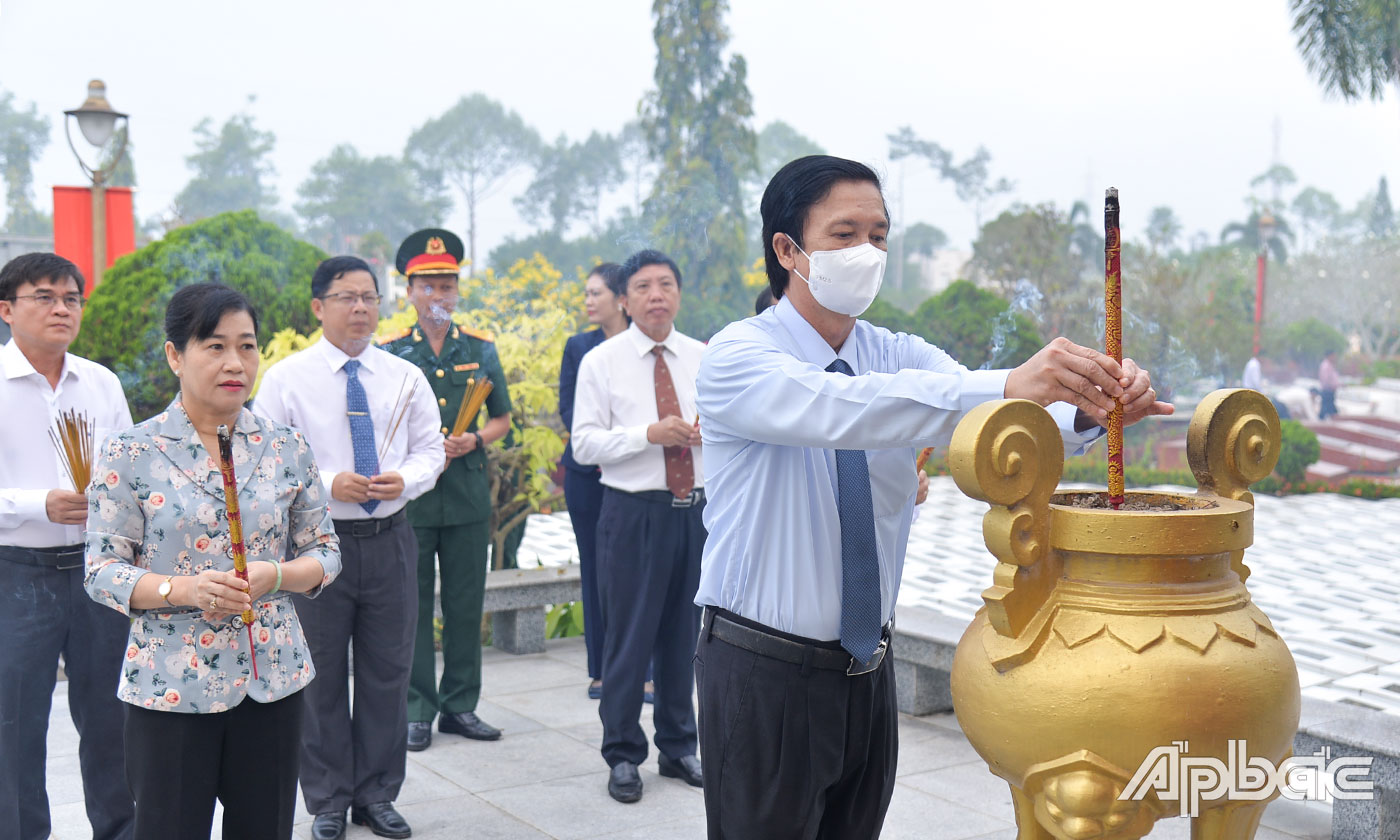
(17, 364)
(335, 357)
(810, 344)
(643, 343)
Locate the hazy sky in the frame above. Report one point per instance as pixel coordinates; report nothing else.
(1173, 103)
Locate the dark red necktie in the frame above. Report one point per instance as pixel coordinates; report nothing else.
(680, 468)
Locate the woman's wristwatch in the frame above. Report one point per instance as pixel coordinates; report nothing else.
(479, 442)
(165, 588)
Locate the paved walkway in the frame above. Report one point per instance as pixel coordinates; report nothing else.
(1324, 570)
(545, 778)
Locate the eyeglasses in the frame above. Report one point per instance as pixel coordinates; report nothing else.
(370, 299)
(44, 300)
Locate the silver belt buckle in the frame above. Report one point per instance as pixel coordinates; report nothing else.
(688, 501)
(856, 669)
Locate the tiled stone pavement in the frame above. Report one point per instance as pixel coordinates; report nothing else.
(1324, 570)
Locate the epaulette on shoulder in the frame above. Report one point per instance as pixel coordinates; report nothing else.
(392, 337)
(481, 334)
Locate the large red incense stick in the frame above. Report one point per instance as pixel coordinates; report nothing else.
(1113, 338)
(235, 530)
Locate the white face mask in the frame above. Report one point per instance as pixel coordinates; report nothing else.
(845, 281)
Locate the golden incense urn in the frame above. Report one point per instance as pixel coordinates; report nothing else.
(1112, 641)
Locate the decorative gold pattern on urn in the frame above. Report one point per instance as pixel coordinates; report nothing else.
(1107, 634)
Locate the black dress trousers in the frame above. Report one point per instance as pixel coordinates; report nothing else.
(794, 752)
(648, 573)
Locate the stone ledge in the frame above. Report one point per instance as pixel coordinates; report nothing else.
(1354, 731)
(516, 599)
(924, 641)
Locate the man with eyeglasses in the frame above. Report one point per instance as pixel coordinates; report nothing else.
(373, 422)
(46, 612)
(451, 521)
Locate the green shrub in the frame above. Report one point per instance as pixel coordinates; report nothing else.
(124, 324)
(1308, 341)
(1388, 368)
(1298, 451)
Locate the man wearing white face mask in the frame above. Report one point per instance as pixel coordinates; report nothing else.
(811, 419)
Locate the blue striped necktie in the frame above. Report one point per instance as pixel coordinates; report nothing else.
(361, 427)
(860, 568)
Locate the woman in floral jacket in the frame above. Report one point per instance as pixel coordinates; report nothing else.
(158, 550)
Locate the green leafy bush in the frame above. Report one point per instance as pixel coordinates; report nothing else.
(124, 324)
(1298, 451)
(1308, 341)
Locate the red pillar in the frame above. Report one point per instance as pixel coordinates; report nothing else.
(72, 226)
(1259, 301)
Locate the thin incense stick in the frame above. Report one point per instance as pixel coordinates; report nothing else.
(400, 409)
(924, 455)
(1113, 338)
(235, 529)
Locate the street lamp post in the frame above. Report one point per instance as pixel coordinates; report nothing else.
(1266, 233)
(97, 121)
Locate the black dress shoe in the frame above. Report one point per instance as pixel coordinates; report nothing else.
(468, 725)
(382, 819)
(625, 783)
(328, 826)
(685, 768)
(420, 735)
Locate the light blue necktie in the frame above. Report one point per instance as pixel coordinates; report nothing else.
(860, 568)
(361, 427)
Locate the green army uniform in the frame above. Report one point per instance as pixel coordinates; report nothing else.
(452, 523)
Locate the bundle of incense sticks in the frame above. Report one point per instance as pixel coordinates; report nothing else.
(472, 401)
(235, 529)
(401, 404)
(72, 437)
(924, 455)
(1113, 338)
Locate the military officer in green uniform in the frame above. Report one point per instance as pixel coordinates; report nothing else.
(451, 521)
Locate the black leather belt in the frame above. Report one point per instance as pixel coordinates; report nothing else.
(368, 527)
(62, 557)
(697, 496)
(787, 650)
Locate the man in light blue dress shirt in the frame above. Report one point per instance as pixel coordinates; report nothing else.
(810, 420)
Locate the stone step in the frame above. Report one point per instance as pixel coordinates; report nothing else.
(1358, 456)
(1327, 471)
(1358, 431)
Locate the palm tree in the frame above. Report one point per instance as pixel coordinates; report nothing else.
(1351, 46)
(1246, 235)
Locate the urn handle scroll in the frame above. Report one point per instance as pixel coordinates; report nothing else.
(1009, 453)
(1233, 441)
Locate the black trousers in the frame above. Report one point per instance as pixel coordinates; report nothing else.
(794, 753)
(372, 605)
(583, 493)
(46, 613)
(648, 573)
(177, 764)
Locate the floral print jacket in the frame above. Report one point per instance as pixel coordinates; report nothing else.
(156, 506)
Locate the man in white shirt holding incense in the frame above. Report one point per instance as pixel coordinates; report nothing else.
(634, 416)
(371, 419)
(811, 419)
(42, 515)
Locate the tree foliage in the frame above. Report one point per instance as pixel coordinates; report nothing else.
(1308, 341)
(474, 146)
(697, 125)
(348, 196)
(1246, 235)
(123, 326)
(1028, 253)
(972, 179)
(23, 135)
(778, 145)
(232, 170)
(570, 181)
(1351, 46)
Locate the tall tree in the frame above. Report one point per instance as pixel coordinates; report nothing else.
(1163, 228)
(1027, 253)
(1317, 212)
(231, 170)
(475, 146)
(1381, 220)
(348, 196)
(570, 181)
(1246, 235)
(1277, 178)
(778, 144)
(697, 122)
(972, 179)
(23, 136)
(1351, 46)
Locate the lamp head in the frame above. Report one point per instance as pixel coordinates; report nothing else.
(96, 118)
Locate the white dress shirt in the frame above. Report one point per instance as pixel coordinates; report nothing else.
(615, 401)
(307, 392)
(772, 419)
(30, 465)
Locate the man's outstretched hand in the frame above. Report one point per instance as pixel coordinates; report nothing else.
(1066, 372)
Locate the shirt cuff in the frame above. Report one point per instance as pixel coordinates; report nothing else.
(979, 386)
(32, 505)
(327, 479)
(637, 439)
